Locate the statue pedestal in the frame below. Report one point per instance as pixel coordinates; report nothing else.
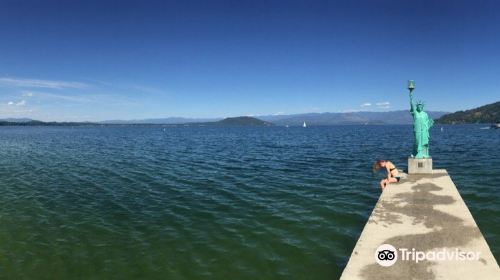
(419, 165)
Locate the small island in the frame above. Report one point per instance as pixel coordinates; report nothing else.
(242, 121)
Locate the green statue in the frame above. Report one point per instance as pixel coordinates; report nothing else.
(421, 125)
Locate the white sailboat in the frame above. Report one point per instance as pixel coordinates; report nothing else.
(304, 125)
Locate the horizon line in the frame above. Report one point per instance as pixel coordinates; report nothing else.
(214, 118)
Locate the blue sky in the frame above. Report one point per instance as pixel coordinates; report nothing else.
(99, 60)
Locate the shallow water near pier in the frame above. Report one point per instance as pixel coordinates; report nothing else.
(211, 202)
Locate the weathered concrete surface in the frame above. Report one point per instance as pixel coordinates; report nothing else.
(427, 213)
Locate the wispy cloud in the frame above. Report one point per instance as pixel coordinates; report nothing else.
(63, 98)
(20, 103)
(33, 83)
(57, 96)
(278, 113)
(366, 104)
(384, 105)
(15, 109)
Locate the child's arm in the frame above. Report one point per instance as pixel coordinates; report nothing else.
(388, 171)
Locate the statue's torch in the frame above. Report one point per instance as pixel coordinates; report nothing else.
(411, 85)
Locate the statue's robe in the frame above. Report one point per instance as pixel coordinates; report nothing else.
(421, 125)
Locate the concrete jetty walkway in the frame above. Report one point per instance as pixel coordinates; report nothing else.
(425, 213)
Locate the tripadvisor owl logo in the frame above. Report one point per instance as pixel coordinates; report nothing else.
(386, 255)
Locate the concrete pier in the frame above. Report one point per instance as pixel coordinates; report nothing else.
(426, 213)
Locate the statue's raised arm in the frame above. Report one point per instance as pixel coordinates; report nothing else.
(412, 105)
(411, 87)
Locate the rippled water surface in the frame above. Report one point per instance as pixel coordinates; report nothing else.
(212, 203)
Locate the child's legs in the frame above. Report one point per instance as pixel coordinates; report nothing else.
(383, 182)
(392, 180)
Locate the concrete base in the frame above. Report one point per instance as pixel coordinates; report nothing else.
(419, 165)
(425, 213)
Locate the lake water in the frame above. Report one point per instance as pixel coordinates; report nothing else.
(212, 203)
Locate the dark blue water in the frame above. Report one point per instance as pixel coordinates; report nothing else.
(212, 203)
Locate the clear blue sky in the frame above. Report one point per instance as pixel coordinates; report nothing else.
(98, 60)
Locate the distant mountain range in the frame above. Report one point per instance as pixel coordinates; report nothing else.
(16, 120)
(489, 113)
(171, 120)
(391, 117)
(30, 122)
(235, 121)
(312, 119)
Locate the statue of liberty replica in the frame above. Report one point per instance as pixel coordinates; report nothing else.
(420, 159)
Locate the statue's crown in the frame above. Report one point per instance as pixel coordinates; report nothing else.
(420, 103)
